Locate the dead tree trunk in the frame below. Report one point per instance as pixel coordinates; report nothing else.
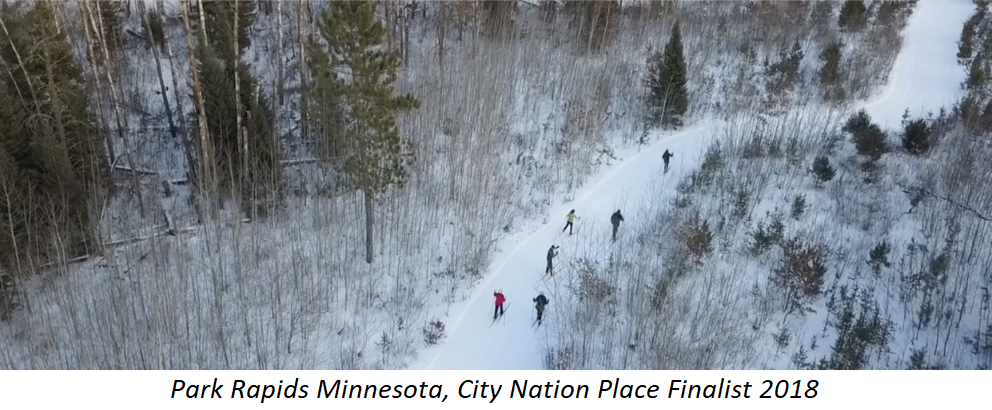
(368, 225)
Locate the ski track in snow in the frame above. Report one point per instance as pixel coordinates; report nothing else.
(925, 76)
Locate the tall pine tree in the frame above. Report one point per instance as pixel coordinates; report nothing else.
(373, 150)
(53, 169)
(853, 16)
(668, 97)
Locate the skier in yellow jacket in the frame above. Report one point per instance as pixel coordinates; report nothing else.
(568, 222)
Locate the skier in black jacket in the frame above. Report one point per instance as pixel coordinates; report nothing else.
(541, 302)
(615, 220)
(666, 156)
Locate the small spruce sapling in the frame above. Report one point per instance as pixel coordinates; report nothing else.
(879, 257)
(798, 206)
(822, 169)
(916, 136)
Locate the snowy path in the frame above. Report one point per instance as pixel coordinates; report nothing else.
(925, 75)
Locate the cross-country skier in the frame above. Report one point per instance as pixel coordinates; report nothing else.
(551, 255)
(615, 220)
(568, 222)
(666, 156)
(541, 302)
(498, 311)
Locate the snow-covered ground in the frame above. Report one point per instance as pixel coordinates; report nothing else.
(925, 77)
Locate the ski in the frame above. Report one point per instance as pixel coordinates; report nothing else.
(505, 308)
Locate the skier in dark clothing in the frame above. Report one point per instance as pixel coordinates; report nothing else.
(500, 299)
(541, 302)
(666, 156)
(615, 220)
(551, 255)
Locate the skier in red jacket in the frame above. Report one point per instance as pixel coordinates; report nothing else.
(499, 304)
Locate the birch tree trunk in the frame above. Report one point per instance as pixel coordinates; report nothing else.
(442, 25)
(93, 57)
(279, 55)
(242, 138)
(304, 126)
(207, 184)
(406, 35)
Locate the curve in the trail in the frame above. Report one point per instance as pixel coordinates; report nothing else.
(924, 75)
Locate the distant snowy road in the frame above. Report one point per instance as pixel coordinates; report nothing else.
(925, 76)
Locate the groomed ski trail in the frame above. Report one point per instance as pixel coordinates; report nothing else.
(470, 343)
(924, 76)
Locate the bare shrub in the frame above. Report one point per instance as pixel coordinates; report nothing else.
(696, 236)
(595, 289)
(801, 271)
(434, 332)
(560, 359)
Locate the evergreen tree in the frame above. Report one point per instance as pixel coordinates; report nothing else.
(822, 169)
(668, 98)
(853, 16)
(53, 162)
(795, 59)
(890, 10)
(784, 72)
(324, 107)
(789, 62)
(965, 46)
(868, 138)
(220, 16)
(373, 151)
(156, 30)
(830, 73)
(916, 136)
(976, 73)
(246, 160)
(111, 23)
